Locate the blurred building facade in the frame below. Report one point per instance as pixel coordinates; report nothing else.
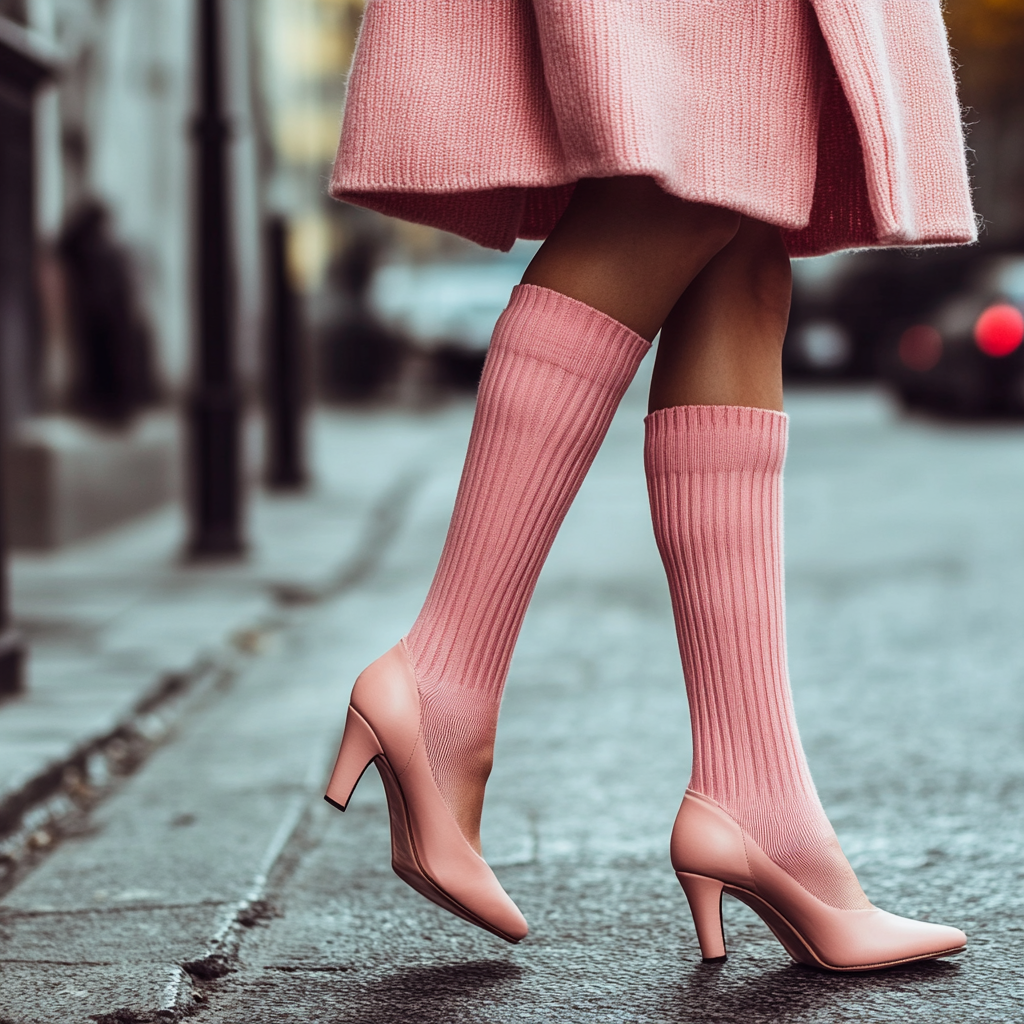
(114, 131)
(305, 50)
(988, 41)
(113, 208)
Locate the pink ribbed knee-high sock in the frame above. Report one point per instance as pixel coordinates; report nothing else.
(715, 480)
(554, 376)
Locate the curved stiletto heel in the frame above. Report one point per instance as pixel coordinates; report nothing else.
(712, 854)
(705, 898)
(359, 748)
(428, 850)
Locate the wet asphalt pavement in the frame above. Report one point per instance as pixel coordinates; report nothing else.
(905, 585)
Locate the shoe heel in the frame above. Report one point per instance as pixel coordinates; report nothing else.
(359, 746)
(705, 898)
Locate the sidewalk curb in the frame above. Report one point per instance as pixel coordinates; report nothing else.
(55, 801)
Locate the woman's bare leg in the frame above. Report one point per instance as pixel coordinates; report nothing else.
(630, 250)
(722, 342)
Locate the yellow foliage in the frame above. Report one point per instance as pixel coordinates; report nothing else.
(986, 24)
(987, 37)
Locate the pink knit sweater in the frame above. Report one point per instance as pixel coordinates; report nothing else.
(835, 119)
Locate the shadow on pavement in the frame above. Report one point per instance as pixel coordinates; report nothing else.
(441, 993)
(711, 996)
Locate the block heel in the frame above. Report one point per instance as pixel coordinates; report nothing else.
(359, 747)
(705, 898)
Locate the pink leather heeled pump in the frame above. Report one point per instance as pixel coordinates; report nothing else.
(428, 850)
(712, 854)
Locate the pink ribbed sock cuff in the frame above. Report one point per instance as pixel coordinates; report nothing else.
(541, 324)
(714, 477)
(715, 439)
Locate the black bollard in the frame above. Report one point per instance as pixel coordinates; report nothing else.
(24, 66)
(215, 406)
(284, 384)
(12, 646)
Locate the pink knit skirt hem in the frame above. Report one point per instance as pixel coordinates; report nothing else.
(480, 118)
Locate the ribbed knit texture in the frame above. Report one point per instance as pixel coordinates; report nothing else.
(715, 479)
(835, 119)
(554, 376)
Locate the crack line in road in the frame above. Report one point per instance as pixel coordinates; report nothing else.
(219, 947)
(172, 990)
(213, 964)
(60, 963)
(21, 915)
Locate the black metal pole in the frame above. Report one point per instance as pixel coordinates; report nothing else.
(215, 407)
(283, 369)
(23, 68)
(12, 645)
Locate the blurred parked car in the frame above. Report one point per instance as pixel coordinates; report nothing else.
(845, 306)
(361, 357)
(964, 356)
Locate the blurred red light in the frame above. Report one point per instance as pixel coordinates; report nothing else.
(999, 330)
(920, 347)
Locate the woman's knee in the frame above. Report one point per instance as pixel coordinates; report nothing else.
(759, 260)
(716, 225)
(738, 307)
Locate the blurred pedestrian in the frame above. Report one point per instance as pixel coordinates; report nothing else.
(674, 155)
(113, 373)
